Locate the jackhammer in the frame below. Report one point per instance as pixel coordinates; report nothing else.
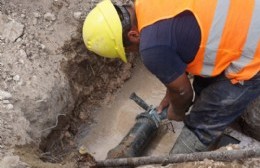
(141, 134)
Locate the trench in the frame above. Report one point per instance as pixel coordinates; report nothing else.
(114, 120)
(103, 112)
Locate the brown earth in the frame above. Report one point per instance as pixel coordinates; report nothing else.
(50, 83)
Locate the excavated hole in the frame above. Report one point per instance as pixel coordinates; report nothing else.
(93, 80)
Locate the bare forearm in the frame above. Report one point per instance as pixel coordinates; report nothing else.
(179, 97)
(180, 101)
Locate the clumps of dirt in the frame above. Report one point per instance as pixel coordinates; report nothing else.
(92, 77)
(93, 81)
(31, 154)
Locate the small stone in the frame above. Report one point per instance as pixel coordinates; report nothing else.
(16, 78)
(49, 17)
(5, 95)
(229, 148)
(9, 107)
(22, 15)
(36, 15)
(43, 46)
(8, 79)
(19, 39)
(22, 53)
(83, 150)
(77, 15)
(21, 61)
(57, 3)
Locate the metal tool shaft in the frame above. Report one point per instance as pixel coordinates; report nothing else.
(139, 101)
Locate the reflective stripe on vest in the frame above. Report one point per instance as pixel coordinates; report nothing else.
(251, 52)
(230, 33)
(215, 36)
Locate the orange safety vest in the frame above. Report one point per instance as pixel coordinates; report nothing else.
(230, 31)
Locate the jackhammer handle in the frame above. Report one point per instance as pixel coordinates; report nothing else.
(139, 101)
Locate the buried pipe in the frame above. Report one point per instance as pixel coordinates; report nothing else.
(178, 158)
(141, 134)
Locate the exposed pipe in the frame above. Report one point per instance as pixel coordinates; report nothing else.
(178, 158)
(141, 134)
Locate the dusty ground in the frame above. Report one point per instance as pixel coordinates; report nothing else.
(47, 78)
(49, 83)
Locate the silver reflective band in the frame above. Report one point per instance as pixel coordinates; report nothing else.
(215, 36)
(251, 43)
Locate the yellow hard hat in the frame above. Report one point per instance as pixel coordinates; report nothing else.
(102, 31)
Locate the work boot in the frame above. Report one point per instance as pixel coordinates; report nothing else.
(187, 142)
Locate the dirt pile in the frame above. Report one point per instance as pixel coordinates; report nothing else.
(44, 84)
(33, 89)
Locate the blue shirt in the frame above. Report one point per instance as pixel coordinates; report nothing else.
(167, 46)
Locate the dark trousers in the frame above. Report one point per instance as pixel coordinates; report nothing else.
(218, 104)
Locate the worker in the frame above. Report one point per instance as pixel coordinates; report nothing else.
(216, 41)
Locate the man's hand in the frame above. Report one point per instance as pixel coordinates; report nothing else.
(164, 103)
(178, 98)
(170, 113)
